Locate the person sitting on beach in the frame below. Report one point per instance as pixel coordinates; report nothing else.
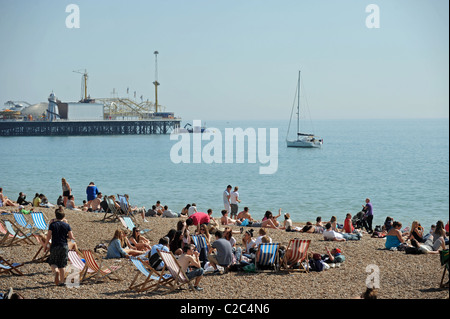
(387, 224)
(159, 208)
(249, 243)
(118, 248)
(185, 211)
(22, 199)
(268, 215)
(334, 224)
(319, 222)
(334, 256)
(416, 232)
(190, 263)
(348, 225)
(330, 234)
(138, 241)
(162, 245)
(94, 205)
(220, 253)
(433, 244)
(245, 215)
(176, 243)
(167, 213)
(262, 233)
(60, 201)
(225, 220)
(394, 238)
(192, 209)
(287, 225)
(228, 235)
(71, 203)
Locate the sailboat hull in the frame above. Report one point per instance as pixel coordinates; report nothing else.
(305, 143)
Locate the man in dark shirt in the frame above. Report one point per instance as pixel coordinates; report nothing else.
(58, 232)
(223, 255)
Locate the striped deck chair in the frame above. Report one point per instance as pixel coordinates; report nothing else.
(124, 205)
(99, 272)
(267, 256)
(299, 249)
(21, 221)
(128, 223)
(112, 212)
(18, 235)
(78, 263)
(172, 266)
(444, 258)
(5, 233)
(202, 247)
(152, 278)
(39, 222)
(41, 242)
(11, 268)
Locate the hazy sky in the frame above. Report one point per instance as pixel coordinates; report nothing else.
(234, 59)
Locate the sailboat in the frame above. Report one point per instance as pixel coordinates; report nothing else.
(303, 139)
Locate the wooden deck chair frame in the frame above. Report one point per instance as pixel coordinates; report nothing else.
(299, 248)
(45, 254)
(112, 210)
(124, 205)
(99, 272)
(172, 267)
(267, 255)
(18, 234)
(5, 233)
(153, 279)
(7, 267)
(77, 262)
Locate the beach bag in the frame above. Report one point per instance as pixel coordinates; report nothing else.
(250, 268)
(412, 251)
(244, 222)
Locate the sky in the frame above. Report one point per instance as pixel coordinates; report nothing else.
(224, 60)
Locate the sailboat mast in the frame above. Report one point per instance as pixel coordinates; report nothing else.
(298, 104)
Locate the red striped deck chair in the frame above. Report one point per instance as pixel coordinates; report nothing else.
(99, 272)
(298, 252)
(172, 267)
(78, 263)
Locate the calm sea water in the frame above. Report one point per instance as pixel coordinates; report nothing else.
(401, 165)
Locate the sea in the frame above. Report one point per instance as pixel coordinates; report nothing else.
(401, 165)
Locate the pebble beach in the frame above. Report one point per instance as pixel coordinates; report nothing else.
(401, 276)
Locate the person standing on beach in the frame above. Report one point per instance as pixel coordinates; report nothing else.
(368, 217)
(91, 192)
(226, 198)
(234, 200)
(58, 232)
(66, 190)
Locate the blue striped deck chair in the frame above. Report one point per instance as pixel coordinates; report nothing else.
(202, 247)
(8, 267)
(18, 235)
(39, 222)
(267, 256)
(124, 205)
(153, 279)
(20, 219)
(128, 223)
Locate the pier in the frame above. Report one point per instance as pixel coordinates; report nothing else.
(86, 128)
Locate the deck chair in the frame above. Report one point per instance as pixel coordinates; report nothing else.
(112, 212)
(18, 235)
(153, 279)
(444, 258)
(124, 205)
(267, 256)
(5, 233)
(78, 263)
(299, 254)
(172, 267)
(202, 247)
(8, 267)
(99, 272)
(128, 223)
(40, 225)
(21, 221)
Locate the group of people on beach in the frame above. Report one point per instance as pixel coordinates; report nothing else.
(222, 250)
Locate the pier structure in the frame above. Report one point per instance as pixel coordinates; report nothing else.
(86, 128)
